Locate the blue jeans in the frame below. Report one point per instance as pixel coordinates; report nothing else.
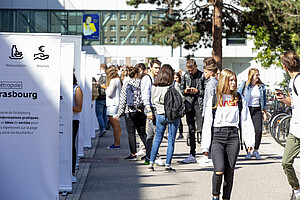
(161, 125)
(101, 114)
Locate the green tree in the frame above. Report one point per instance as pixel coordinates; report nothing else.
(191, 26)
(274, 25)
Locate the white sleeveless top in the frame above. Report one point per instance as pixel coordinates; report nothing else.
(76, 115)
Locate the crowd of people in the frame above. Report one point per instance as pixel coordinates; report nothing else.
(226, 117)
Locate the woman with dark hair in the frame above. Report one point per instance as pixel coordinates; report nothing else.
(113, 90)
(220, 132)
(291, 64)
(77, 108)
(177, 81)
(164, 80)
(254, 92)
(135, 119)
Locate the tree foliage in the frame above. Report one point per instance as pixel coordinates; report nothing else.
(274, 25)
(190, 26)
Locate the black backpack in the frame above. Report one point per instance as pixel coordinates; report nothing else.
(240, 105)
(173, 104)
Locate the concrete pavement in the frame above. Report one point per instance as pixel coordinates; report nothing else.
(104, 174)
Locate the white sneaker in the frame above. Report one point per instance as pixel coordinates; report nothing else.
(159, 162)
(205, 162)
(190, 159)
(74, 179)
(296, 194)
(141, 153)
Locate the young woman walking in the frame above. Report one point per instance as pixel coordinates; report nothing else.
(254, 92)
(164, 80)
(113, 90)
(220, 132)
(135, 119)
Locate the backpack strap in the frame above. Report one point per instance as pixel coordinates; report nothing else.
(150, 78)
(295, 90)
(240, 106)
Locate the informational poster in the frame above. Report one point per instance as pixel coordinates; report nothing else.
(29, 115)
(66, 117)
(90, 27)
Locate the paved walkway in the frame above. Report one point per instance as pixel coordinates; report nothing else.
(104, 174)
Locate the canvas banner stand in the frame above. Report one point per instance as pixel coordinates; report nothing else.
(87, 102)
(66, 117)
(29, 115)
(81, 126)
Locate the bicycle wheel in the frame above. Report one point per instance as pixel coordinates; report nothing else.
(274, 123)
(283, 130)
(266, 128)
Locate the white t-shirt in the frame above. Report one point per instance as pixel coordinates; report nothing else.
(295, 121)
(254, 97)
(227, 114)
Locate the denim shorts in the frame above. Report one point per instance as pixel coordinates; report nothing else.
(112, 110)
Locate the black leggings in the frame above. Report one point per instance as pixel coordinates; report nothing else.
(224, 152)
(256, 116)
(75, 131)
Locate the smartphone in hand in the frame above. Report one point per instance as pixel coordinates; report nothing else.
(278, 91)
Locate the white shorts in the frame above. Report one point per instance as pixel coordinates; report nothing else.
(112, 110)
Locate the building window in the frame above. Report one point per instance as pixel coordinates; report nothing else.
(132, 27)
(113, 28)
(113, 40)
(235, 39)
(105, 40)
(143, 40)
(132, 40)
(142, 28)
(123, 28)
(113, 16)
(122, 39)
(105, 28)
(143, 15)
(133, 16)
(161, 15)
(123, 16)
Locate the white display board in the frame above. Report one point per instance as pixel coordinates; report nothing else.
(29, 115)
(87, 99)
(77, 41)
(82, 84)
(66, 117)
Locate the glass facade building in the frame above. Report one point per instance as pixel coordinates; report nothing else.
(115, 27)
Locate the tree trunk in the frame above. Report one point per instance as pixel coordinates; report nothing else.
(217, 33)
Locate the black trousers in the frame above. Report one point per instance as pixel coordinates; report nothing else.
(74, 153)
(224, 151)
(193, 117)
(135, 121)
(256, 116)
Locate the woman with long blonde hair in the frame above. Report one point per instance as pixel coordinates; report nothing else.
(254, 92)
(220, 132)
(113, 90)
